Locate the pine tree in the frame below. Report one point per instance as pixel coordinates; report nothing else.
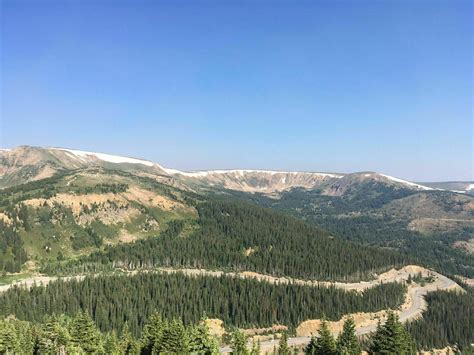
(9, 343)
(54, 338)
(312, 346)
(84, 333)
(256, 348)
(152, 334)
(201, 341)
(347, 342)
(175, 338)
(325, 344)
(392, 338)
(283, 348)
(239, 343)
(112, 344)
(128, 344)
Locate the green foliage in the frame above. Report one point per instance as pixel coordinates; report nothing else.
(283, 348)
(12, 252)
(392, 338)
(240, 302)
(281, 245)
(84, 333)
(325, 343)
(449, 320)
(239, 343)
(256, 348)
(359, 216)
(347, 342)
(62, 335)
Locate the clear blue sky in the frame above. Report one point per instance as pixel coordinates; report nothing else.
(296, 85)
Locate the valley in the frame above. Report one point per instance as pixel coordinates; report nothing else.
(78, 226)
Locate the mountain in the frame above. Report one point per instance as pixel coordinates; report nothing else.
(466, 187)
(133, 198)
(25, 163)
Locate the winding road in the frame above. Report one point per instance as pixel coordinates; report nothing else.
(413, 307)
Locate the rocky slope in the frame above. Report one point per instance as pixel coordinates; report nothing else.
(25, 163)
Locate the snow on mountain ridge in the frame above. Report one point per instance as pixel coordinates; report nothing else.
(241, 172)
(407, 182)
(83, 155)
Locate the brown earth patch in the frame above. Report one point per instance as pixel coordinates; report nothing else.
(467, 246)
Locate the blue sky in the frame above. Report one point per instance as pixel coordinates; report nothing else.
(294, 85)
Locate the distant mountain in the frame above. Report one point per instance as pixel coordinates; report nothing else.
(26, 163)
(425, 220)
(456, 186)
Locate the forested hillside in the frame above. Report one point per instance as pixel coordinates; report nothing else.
(449, 319)
(77, 212)
(428, 226)
(240, 236)
(111, 300)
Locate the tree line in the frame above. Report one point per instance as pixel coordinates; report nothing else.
(112, 300)
(79, 335)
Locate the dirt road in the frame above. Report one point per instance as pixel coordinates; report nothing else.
(413, 307)
(416, 306)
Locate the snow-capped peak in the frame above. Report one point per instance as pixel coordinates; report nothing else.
(422, 187)
(82, 155)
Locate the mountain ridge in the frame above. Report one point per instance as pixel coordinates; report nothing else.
(27, 163)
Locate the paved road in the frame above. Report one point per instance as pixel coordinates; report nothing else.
(416, 308)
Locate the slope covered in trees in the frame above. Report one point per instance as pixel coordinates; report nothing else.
(380, 217)
(238, 236)
(79, 335)
(449, 319)
(111, 300)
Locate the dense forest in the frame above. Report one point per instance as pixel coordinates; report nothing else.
(356, 218)
(112, 300)
(237, 236)
(12, 252)
(449, 319)
(79, 335)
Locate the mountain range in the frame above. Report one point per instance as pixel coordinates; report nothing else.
(87, 196)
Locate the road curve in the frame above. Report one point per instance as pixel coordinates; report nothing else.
(415, 293)
(415, 309)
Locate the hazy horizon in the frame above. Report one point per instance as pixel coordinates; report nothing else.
(294, 86)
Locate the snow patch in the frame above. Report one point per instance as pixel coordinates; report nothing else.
(242, 172)
(418, 186)
(82, 155)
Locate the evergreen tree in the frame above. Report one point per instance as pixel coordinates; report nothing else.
(201, 341)
(325, 344)
(347, 342)
(152, 334)
(256, 348)
(128, 345)
(112, 344)
(392, 338)
(239, 343)
(55, 337)
(175, 338)
(9, 343)
(283, 348)
(84, 333)
(312, 346)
